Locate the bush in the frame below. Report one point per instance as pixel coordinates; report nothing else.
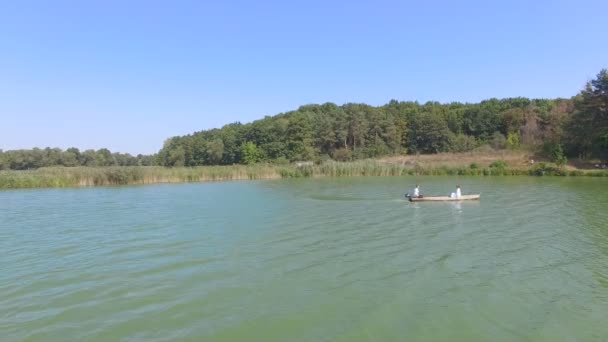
(342, 154)
(360, 153)
(499, 164)
(377, 149)
(322, 159)
(558, 156)
(513, 140)
(281, 161)
(498, 141)
(547, 169)
(473, 166)
(484, 149)
(463, 143)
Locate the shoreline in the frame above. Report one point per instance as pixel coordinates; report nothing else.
(77, 177)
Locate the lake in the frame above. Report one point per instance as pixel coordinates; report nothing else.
(334, 259)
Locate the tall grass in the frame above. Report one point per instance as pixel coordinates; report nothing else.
(97, 176)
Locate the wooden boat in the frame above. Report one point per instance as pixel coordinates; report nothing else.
(443, 198)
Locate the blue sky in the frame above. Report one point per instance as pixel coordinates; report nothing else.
(126, 75)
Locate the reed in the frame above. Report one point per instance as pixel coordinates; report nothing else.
(57, 177)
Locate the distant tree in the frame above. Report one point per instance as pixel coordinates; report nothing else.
(392, 135)
(250, 154)
(429, 133)
(358, 125)
(588, 127)
(104, 157)
(299, 137)
(199, 150)
(177, 157)
(341, 128)
(325, 135)
(559, 157)
(51, 157)
(531, 133)
(498, 141)
(215, 151)
(513, 120)
(342, 154)
(462, 143)
(149, 160)
(88, 158)
(4, 163)
(231, 137)
(71, 157)
(513, 140)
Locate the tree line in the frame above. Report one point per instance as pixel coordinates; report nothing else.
(576, 127)
(36, 158)
(357, 131)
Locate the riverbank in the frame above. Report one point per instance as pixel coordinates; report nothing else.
(56, 177)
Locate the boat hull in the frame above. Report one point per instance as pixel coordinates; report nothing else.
(444, 198)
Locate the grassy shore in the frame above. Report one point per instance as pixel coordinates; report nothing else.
(97, 176)
(447, 164)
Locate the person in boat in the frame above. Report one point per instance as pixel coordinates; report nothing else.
(456, 194)
(416, 193)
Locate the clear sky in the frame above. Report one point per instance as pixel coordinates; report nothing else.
(126, 75)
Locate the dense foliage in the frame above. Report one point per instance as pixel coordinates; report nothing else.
(576, 127)
(587, 130)
(557, 128)
(356, 131)
(36, 158)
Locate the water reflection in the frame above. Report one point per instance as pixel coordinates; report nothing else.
(457, 206)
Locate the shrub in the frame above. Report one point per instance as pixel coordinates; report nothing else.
(498, 141)
(547, 169)
(499, 164)
(513, 140)
(281, 161)
(342, 154)
(558, 156)
(462, 143)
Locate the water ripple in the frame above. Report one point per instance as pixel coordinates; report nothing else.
(306, 260)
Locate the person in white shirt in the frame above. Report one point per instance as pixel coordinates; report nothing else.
(458, 194)
(416, 191)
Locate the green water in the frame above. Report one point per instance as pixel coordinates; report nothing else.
(307, 260)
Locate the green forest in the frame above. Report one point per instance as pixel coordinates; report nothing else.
(553, 128)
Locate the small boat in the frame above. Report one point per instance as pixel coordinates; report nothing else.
(443, 198)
